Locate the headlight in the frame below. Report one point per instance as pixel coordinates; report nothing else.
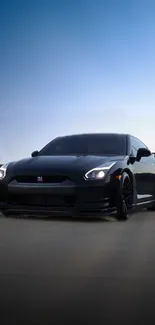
(3, 170)
(98, 172)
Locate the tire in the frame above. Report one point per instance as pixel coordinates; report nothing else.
(125, 199)
(5, 214)
(151, 208)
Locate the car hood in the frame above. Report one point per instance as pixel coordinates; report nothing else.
(64, 165)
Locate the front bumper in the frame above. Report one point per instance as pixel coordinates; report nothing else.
(66, 199)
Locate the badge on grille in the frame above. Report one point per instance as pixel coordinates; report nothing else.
(40, 179)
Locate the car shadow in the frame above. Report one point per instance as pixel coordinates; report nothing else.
(64, 219)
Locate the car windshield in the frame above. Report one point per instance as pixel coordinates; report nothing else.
(93, 144)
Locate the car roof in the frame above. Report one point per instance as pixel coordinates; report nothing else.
(94, 133)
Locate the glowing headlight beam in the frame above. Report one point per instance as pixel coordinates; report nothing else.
(98, 172)
(3, 170)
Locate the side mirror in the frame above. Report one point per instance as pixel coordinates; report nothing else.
(34, 153)
(143, 152)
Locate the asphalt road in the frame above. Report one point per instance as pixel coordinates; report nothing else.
(78, 272)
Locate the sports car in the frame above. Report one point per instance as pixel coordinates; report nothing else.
(88, 175)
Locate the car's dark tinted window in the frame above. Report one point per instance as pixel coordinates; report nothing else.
(133, 151)
(136, 144)
(92, 144)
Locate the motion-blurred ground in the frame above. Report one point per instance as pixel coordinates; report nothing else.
(95, 272)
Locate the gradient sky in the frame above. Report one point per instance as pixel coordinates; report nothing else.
(71, 66)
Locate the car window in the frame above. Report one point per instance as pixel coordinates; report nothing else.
(137, 144)
(133, 151)
(90, 144)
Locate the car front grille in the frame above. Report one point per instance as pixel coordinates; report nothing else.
(42, 201)
(41, 179)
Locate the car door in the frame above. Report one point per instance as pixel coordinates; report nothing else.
(144, 171)
(150, 161)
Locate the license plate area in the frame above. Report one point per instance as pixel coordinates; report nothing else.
(46, 200)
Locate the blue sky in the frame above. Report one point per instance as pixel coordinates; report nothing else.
(71, 66)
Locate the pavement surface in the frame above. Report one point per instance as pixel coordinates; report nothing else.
(79, 272)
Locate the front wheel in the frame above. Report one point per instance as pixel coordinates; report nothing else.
(5, 214)
(151, 208)
(125, 200)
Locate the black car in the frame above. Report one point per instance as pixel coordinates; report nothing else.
(81, 175)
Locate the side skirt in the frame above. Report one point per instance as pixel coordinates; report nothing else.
(143, 205)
